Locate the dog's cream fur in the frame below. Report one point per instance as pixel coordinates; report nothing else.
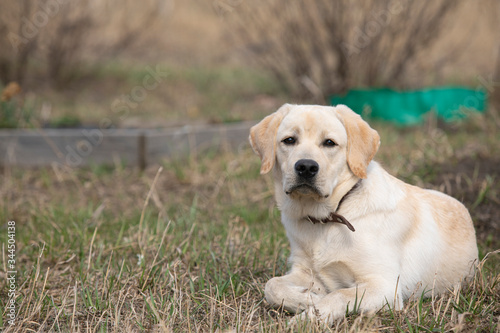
(408, 241)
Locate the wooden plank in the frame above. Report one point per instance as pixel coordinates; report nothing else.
(133, 147)
(193, 140)
(70, 147)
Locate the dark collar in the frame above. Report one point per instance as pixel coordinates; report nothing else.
(334, 217)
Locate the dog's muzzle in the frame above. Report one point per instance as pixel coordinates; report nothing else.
(305, 172)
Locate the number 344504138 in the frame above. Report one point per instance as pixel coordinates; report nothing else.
(11, 235)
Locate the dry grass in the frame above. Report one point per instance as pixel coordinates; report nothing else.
(190, 247)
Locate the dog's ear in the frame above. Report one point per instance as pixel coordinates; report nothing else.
(263, 137)
(362, 141)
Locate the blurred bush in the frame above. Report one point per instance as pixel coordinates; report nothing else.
(14, 112)
(324, 47)
(51, 38)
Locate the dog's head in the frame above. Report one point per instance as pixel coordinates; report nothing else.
(313, 148)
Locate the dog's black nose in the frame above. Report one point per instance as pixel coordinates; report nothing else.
(306, 168)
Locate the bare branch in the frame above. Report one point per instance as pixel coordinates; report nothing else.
(340, 44)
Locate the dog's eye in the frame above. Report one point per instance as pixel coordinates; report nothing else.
(329, 143)
(289, 141)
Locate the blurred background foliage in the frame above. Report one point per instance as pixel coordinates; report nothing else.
(230, 60)
(330, 46)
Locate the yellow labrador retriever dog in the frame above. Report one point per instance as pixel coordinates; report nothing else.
(359, 237)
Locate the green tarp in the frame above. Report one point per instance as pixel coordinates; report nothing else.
(408, 107)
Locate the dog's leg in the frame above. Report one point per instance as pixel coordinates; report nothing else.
(365, 298)
(294, 292)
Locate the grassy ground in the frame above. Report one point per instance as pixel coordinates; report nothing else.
(189, 246)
